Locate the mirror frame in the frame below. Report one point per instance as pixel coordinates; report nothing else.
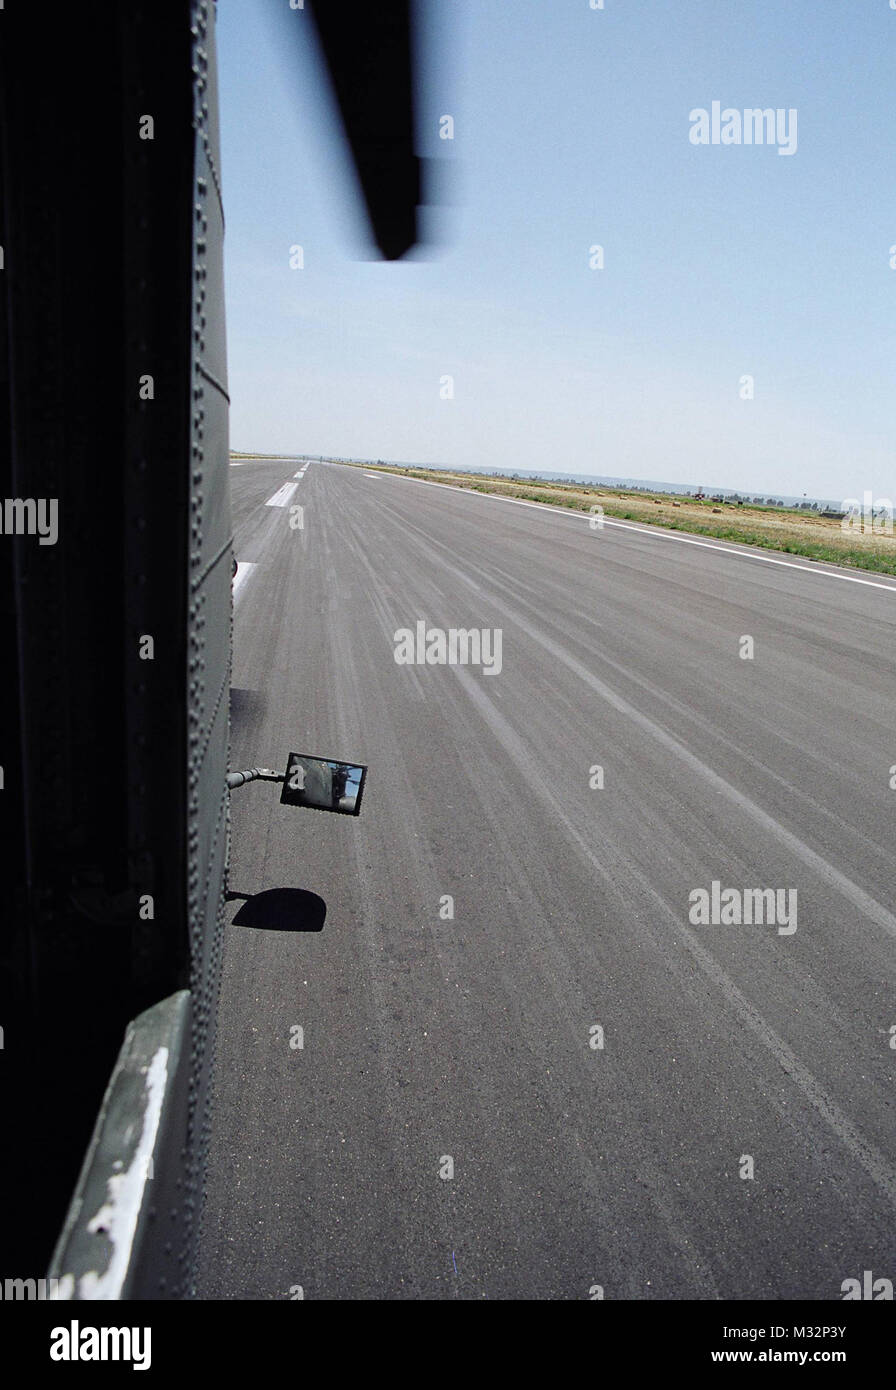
(286, 796)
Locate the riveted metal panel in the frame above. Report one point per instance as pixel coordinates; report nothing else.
(209, 620)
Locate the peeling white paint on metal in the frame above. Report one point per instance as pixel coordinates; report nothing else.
(117, 1217)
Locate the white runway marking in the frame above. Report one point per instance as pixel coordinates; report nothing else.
(243, 570)
(281, 496)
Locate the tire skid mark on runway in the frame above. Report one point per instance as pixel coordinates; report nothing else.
(673, 1219)
(350, 697)
(830, 875)
(712, 731)
(876, 1165)
(569, 983)
(872, 1160)
(571, 1001)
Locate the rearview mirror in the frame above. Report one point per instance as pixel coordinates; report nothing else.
(323, 784)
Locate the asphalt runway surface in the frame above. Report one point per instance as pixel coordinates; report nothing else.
(526, 1070)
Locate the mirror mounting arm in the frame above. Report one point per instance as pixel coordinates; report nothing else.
(254, 774)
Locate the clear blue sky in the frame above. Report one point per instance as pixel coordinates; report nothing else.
(572, 128)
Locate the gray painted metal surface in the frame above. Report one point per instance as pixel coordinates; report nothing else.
(209, 620)
(126, 1204)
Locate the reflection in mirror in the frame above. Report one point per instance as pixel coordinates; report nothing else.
(324, 784)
